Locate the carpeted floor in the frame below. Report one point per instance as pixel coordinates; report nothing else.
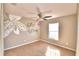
(39, 48)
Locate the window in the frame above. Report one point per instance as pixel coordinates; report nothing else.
(53, 31)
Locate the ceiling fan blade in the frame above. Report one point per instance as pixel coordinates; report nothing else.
(39, 12)
(47, 17)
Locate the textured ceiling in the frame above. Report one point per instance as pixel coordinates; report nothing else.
(29, 10)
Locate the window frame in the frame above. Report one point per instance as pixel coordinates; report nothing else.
(52, 31)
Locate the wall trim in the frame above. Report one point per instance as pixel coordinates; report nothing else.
(20, 45)
(60, 46)
(39, 40)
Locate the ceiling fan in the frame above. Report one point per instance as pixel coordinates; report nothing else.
(40, 15)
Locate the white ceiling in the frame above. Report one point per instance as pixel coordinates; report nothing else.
(29, 10)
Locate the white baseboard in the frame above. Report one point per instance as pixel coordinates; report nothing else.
(20, 45)
(60, 45)
(40, 40)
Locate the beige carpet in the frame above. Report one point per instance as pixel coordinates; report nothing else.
(39, 49)
(1, 54)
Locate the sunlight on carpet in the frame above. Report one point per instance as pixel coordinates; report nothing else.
(52, 52)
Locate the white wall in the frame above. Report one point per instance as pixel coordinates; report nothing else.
(67, 31)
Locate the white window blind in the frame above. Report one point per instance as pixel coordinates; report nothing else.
(53, 31)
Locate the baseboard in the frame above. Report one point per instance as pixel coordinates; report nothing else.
(40, 40)
(20, 45)
(60, 46)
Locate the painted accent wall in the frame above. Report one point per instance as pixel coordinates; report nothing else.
(14, 40)
(24, 37)
(67, 31)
